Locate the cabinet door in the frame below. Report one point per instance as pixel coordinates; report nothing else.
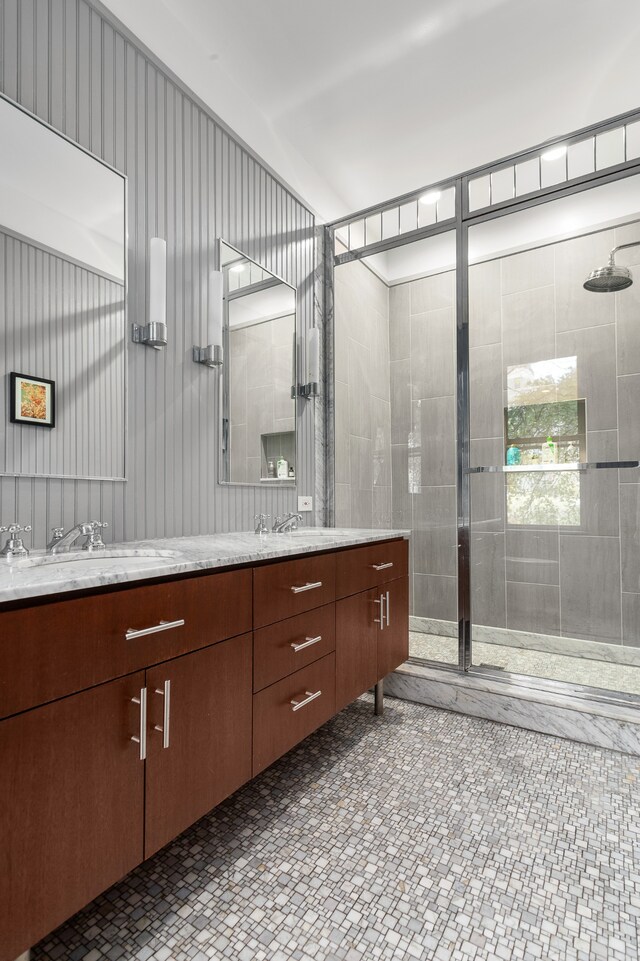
(356, 645)
(393, 635)
(71, 808)
(207, 705)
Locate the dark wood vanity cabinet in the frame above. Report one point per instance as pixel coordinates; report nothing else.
(218, 675)
(372, 626)
(71, 807)
(199, 736)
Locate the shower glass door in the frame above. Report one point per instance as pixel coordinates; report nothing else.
(554, 382)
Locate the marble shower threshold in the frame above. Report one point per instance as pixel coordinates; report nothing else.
(601, 723)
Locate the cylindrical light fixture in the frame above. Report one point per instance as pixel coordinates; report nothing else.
(312, 371)
(154, 334)
(211, 355)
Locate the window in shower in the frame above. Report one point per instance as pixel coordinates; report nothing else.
(544, 424)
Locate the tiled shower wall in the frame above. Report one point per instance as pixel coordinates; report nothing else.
(190, 181)
(422, 325)
(362, 403)
(582, 582)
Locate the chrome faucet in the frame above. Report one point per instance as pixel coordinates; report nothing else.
(287, 523)
(61, 542)
(261, 526)
(14, 546)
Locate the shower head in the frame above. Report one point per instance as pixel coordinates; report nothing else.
(606, 280)
(609, 279)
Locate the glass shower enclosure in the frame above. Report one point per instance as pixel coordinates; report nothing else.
(487, 383)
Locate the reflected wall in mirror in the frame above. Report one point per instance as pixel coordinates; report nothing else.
(62, 313)
(259, 374)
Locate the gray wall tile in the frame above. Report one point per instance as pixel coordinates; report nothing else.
(528, 269)
(488, 586)
(433, 370)
(533, 556)
(435, 596)
(533, 607)
(590, 586)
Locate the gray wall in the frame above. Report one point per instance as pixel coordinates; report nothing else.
(190, 181)
(63, 322)
(422, 329)
(362, 403)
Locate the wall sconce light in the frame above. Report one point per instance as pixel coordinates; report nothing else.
(312, 373)
(154, 334)
(211, 355)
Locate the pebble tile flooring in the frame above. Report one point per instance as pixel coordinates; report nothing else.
(422, 834)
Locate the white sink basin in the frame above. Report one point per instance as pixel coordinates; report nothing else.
(123, 559)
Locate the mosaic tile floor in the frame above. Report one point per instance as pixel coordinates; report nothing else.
(419, 835)
(519, 660)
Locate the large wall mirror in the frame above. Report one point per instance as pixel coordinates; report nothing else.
(63, 305)
(259, 374)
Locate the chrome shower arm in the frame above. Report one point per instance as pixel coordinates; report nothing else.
(633, 243)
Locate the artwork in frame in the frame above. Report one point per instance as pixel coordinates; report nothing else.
(32, 400)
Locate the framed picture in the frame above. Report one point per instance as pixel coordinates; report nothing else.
(32, 400)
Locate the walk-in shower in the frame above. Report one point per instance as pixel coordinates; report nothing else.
(485, 401)
(612, 277)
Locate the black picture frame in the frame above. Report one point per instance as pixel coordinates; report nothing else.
(15, 414)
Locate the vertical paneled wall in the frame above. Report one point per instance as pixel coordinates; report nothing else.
(190, 182)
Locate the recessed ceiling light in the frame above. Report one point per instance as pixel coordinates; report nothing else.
(237, 268)
(431, 197)
(555, 153)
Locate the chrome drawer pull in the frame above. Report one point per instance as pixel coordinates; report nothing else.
(380, 620)
(382, 567)
(164, 730)
(142, 740)
(308, 641)
(162, 626)
(296, 705)
(388, 610)
(311, 586)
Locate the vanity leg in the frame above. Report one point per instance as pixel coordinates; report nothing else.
(378, 694)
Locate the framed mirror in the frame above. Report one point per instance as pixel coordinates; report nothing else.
(258, 430)
(63, 244)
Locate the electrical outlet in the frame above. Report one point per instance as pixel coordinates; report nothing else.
(305, 503)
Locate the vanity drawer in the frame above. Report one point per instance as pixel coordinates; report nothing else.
(53, 649)
(278, 724)
(291, 587)
(287, 646)
(364, 567)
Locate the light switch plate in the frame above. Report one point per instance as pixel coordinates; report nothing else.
(305, 503)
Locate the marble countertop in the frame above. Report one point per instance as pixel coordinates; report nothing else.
(40, 575)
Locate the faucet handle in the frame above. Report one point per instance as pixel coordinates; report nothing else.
(57, 532)
(15, 528)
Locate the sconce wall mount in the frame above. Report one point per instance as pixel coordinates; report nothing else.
(210, 356)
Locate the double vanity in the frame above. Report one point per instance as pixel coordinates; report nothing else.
(141, 685)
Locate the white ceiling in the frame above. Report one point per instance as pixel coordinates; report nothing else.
(356, 101)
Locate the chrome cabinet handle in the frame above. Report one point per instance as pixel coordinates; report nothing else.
(380, 620)
(382, 567)
(388, 610)
(142, 739)
(308, 641)
(310, 586)
(296, 705)
(162, 626)
(165, 692)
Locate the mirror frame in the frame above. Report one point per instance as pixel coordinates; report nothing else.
(23, 237)
(223, 405)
